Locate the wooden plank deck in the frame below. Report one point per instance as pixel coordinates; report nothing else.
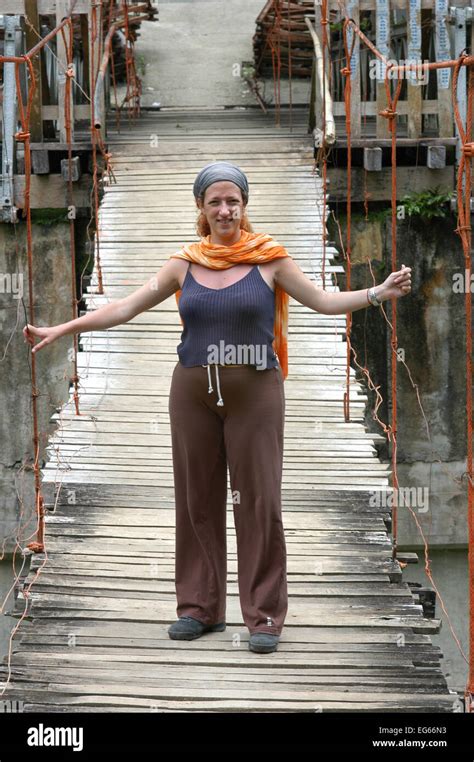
(96, 634)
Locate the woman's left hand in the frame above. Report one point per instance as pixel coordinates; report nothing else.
(397, 284)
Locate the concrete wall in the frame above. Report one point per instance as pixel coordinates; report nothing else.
(52, 304)
(431, 453)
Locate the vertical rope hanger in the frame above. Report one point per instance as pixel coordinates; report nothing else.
(323, 151)
(68, 125)
(95, 189)
(37, 546)
(346, 73)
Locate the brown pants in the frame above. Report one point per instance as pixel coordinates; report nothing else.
(247, 434)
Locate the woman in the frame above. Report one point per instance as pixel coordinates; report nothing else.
(232, 289)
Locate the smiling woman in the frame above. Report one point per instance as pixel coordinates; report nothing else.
(235, 316)
(224, 204)
(226, 207)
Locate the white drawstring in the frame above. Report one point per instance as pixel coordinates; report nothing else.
(220, 401)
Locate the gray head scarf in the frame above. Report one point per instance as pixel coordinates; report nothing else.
(220, 170)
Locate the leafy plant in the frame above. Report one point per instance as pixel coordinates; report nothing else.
(364, 25)
(427, 204)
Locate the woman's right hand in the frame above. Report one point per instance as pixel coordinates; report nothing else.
(47, 334)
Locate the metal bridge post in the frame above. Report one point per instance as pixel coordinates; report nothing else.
(9, 211)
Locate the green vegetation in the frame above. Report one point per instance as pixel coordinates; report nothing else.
(48, 216)
(428, 204)
(365, 25)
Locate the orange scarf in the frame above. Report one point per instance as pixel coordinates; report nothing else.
(252, 248)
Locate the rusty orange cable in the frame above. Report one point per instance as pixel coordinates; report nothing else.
(24, 136)
(94, 33)
(390, 113)
(325, 48)
(272, 50)
(274, 34)
(133, 82)
(127, 57)
(346, 72)
(68, 126)
(112, 70)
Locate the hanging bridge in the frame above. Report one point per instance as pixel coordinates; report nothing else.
(98, 597)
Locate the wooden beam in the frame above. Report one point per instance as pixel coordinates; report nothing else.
(45, 7)
(401, 142)
(51, 192)
(32, 36)
(40, 162)
(49, 130)
(442, 47)
(353, 12)
(370, 107)
(47, 146)
(414, 126)
(378, 184)
(82, 111)
(95, 48)
(369, 5)
(85, 53)
(62, 7)
(383, 44)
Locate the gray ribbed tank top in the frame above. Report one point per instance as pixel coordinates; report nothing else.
(230, 325)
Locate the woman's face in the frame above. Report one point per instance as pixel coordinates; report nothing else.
(224, 207)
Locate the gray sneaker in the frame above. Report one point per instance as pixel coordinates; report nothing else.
(188, 628)
(263, 642)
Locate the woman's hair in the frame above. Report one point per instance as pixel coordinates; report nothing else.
(203, 228)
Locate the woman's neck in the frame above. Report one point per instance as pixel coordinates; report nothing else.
(218, 240)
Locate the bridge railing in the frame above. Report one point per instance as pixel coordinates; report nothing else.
(83, 51)
(415, 31)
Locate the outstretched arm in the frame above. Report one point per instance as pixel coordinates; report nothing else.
(293, 280)
(156, 290)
